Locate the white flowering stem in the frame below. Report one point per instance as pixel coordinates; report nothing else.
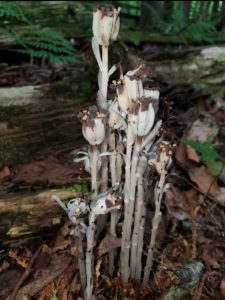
(137, 220)
(89, 257)
(105, 62)
(124, 257)
(138, 270)
(158, 194)
(113, 214)
(94, 161)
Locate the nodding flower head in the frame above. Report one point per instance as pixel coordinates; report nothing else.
(134, 81)
(106, 23)
(93, 125)
(161, 159)
(122, 96)
(141, 117)
(106, 202)
(116, 120)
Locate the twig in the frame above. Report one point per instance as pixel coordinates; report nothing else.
(25, 274)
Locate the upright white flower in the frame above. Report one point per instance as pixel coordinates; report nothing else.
(106, 23)
(142, 116)
(161, 159)
(134, 82)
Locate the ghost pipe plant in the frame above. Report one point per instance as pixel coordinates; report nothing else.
(161, 161)
(121, 131)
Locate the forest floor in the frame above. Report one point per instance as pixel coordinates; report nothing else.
(192, 227)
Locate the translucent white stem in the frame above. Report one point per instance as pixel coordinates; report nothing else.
(124, 258)
(159, 190)
(114, 214)
(89, 257)
(140, 244)
(137, 220)
(94, 161)
(105, 77)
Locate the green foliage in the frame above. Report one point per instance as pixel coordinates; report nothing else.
(49, 44)
(206, 150)
(54, 298)
(11, 9)
(43, 43)
(79, 188)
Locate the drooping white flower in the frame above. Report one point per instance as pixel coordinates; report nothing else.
(122, 96)
(93, 125)
(106, 23)
(106, 202)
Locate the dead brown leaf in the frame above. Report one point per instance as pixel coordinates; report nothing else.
(4, 174)
(182, 204)
(192, 154)
(107, 244)
(204, 180)
(210, 260)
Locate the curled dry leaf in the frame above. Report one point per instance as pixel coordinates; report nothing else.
(182, 204)
(107, 244)
(204, 180)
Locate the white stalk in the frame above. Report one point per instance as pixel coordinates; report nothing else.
(135, 235)
(114, 214)
(140, 244)
(94, 161)
(124, 258)
(159, 190)
(89, 256)
(104, 87)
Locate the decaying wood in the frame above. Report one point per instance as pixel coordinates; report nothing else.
(26, 216)
(36, 122)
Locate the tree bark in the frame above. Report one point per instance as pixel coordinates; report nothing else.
(28, 216)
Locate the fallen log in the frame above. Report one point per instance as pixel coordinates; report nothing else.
(38, 121)
(26, 216)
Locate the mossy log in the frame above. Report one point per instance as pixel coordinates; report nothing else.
(26, 216)
(38, 121)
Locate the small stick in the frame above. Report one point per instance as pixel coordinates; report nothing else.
(25, 274)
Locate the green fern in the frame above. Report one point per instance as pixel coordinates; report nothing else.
(48, 44)
(11, 9)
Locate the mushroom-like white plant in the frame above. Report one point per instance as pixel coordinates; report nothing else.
(101, 205)
(93, 128)
(161, 161)
(77, 209)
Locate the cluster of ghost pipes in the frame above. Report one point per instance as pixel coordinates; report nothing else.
(121, 132)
